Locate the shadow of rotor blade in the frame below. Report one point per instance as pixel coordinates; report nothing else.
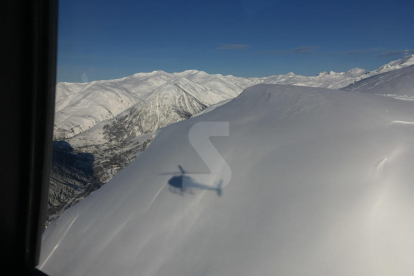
(170, 173)
(179, 173)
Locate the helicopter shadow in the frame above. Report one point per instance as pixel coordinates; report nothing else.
(182, 184)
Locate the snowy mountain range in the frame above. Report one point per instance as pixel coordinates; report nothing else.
(80, 106)
(115, 120)
(321, 185)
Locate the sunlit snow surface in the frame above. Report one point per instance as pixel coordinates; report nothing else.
(322, 184)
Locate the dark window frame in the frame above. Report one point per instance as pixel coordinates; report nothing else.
(28, 88)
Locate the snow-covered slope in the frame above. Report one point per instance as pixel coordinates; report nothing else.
(321, 185)
(396, 64)
(168, 104)
(115, 120)
(81, 106)
(396, 83)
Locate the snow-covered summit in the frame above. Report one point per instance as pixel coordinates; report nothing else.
(356, 72)
(324, 74)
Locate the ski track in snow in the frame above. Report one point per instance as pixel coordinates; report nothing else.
(57, 245)
(380, 166)
(374, 82)
(155, 197)
(402, 123)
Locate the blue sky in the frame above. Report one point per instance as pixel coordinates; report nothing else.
(102, 39)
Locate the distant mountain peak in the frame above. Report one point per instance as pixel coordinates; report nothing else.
(191, 71)
(356, 71)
